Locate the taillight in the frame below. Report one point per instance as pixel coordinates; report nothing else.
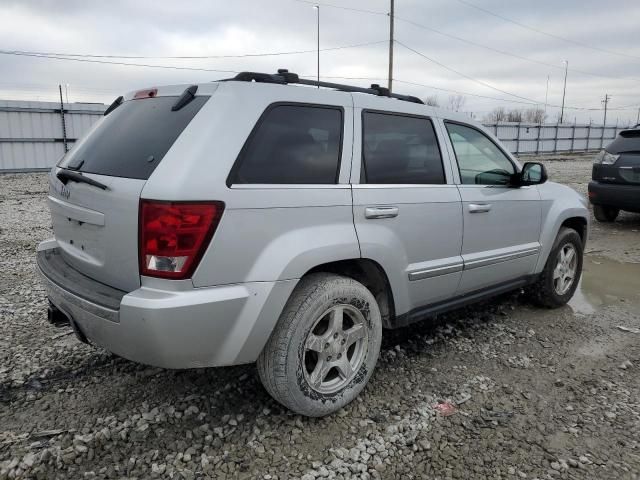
(173, 236)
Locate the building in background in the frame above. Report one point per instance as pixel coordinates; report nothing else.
(32, 136)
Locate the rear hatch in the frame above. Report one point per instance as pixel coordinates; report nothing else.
(626, 169)
(95, 227)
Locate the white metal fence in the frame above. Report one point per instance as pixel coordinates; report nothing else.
(531, 138)
(33, 134)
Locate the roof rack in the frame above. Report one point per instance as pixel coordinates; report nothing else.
(284, 77)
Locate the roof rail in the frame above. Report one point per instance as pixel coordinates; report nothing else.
(284, 77)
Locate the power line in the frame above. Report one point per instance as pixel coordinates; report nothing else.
(100, 58)
(193, 57)
(464, 75)
(108, 62)
(361, 10)
(503, 52)
(480, 82)
(552, 35)
(173, 67)
(465, 93)
(406, 82)
(470, 42)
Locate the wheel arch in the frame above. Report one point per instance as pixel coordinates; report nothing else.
(579, 224)
(371, 274)
(574, 218)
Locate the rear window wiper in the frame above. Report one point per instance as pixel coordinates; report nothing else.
(68, 175)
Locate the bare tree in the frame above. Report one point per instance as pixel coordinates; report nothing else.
(498, 114)
(456, 102)
(432, 101)
(514, 115)
(535, 115)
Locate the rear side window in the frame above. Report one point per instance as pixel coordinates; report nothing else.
(401, 150)
(292, 144)
(132, 140)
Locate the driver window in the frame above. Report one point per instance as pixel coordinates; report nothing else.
(480, 161)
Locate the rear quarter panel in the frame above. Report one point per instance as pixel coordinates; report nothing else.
(267, 232)
(279, 234)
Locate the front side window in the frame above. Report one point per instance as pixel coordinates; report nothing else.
(397, 149)
(292, 144)
(480, 161)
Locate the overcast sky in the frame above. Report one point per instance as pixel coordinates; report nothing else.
(191, 28)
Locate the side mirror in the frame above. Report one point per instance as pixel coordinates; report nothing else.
(532, 173)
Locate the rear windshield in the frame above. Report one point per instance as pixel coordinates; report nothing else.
(132, 140)
(626, 141)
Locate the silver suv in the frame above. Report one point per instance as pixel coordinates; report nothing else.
(257, 219)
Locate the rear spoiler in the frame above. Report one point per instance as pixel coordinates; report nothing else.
(186, 97)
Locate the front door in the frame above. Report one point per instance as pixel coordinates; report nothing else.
(406, 208)
(501, 223)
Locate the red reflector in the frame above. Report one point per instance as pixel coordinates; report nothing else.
(592, 194)
(174, 235)
(148, 93)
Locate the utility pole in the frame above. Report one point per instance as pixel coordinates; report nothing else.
(391, 13)
(564, 89)
(638, 117)
(64, 125)
(607, 97)
(317, 7)
(546, 97)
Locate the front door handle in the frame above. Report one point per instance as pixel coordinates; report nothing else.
(479, 207)
(381, 212)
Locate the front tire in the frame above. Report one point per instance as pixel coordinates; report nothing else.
(558, 281)
(324, 347)
(605, 214)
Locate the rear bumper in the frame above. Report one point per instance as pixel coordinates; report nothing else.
(182, 328)
(624, 197)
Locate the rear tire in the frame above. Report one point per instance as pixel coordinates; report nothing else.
(324, 347)
(559, 279)
(605, 214)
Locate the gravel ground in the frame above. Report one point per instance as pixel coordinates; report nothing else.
(500, 390)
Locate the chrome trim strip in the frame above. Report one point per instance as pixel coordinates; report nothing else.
(483, 262)
(76, 212)
(289, 186)
(435, 272)
(382, 186)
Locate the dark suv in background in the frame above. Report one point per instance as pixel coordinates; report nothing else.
(616, 177)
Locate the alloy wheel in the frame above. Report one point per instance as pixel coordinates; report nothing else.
(335, 348)
(564, 273)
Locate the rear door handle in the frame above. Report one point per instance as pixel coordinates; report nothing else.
(479, 207)
(381, 212)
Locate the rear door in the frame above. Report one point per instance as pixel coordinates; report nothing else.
(501, 223)
(97, 229)
(406, 208)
